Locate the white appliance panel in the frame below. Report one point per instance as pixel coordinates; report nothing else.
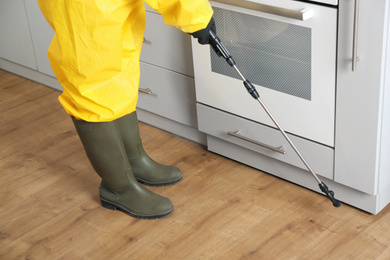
(309, 115)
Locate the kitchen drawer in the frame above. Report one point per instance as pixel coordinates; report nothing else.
(166, 46)
(218, 123)
(169, 94)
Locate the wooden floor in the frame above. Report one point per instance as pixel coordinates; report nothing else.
(49, 202)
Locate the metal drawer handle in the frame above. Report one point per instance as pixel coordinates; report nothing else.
(355, 58)
(302, 15)
(146, 91)
(276, 149)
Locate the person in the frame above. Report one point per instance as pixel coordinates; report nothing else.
(95, 56)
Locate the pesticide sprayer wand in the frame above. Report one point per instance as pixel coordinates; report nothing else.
(221, 50)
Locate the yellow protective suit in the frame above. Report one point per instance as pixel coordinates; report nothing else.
(96, 48)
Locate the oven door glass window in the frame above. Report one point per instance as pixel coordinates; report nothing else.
(273, 54)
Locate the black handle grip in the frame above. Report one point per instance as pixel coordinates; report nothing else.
(220, 49)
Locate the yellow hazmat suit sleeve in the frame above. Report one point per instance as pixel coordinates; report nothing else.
(186, 15)
(96, 48)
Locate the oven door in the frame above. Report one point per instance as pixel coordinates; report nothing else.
(287, 49)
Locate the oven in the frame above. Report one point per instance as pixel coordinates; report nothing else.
(287, 49)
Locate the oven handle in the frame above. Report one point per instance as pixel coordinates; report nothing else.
(275, 149)
(355, 58)
(303, 14)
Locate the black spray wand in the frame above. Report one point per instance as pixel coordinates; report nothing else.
(221, 50)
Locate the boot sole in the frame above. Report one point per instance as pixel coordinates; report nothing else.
(112, 206)
(158, 184)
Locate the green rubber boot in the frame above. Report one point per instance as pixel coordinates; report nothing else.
(145, 169)
(119, 189)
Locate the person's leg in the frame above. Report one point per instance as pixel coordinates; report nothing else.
(119, 189)
(95, 55)
(145, 169)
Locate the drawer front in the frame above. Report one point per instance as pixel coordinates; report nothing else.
(166, 46)
(265, 140)
(168, 94)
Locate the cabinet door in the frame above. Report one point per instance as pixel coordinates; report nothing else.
(166, 46)
(42, 35)
(359, 96)
(168, 94)
(16, 44)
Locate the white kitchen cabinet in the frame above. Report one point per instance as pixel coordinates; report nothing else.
(167, 72)
(16, 43)
(41, 34)
(166, 47)
(362, 147)
(25, 39)
(261, 139)
(167, 87)
(168, 94)
(363, 100)
(357, 166)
